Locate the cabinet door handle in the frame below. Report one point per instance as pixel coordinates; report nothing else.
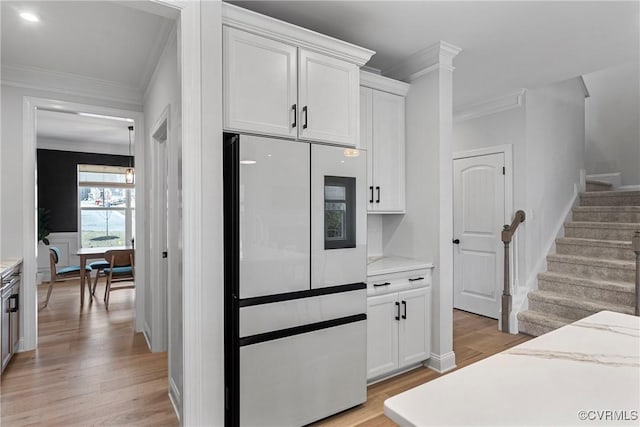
(378, 199)
(371, 200)
(306, 117)
(397, 310)
(17, 303)
(404, 305)
(375, 285)
(294, 107)
(416, 278)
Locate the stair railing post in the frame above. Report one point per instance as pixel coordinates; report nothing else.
(507, 234)
(506, 291)
(636, 249)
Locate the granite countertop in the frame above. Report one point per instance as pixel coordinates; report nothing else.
(8, 264)
(394, 264)
(570, 376)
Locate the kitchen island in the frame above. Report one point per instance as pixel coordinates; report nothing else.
(9, 309)
(587, 372)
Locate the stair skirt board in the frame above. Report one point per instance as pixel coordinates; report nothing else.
(593, 268)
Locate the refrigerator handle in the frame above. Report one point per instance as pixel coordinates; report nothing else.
(397, 310)
(295, 115)
(306, 113)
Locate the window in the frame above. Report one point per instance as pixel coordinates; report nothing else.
(106, 206)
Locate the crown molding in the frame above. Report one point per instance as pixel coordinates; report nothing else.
(583, 84)
(437, 56)
(247, 20)
(69, 84)
(385, 84)
(492, 106)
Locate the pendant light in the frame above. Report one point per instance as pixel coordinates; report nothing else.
(129, 175)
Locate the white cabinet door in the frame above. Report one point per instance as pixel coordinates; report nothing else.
(415, 326)
(366, 137)
(388, 152)
(259, 84)
(328, 95)
(382, 334)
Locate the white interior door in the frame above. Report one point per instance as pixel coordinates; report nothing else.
(478, 214)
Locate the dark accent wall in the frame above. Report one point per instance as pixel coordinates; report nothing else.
(58, 183)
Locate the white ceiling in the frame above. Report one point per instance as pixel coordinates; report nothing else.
(97, 39)
(70, 127)
(506, 45)
(116, 42)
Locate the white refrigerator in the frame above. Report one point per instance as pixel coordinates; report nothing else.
(295, 273)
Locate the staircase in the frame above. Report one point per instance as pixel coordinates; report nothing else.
(594, 265)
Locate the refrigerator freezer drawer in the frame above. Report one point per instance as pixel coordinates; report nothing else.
(258, 319)
(295, 380)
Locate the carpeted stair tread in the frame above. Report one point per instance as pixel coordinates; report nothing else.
(535, 323)
(625, 287)
(599, 262)
(577, 303)
(595, 242)
(613, 193)
(613, 225)
(607, 209)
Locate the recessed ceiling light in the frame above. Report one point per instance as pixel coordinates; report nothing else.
(248, 162)
(28, 16)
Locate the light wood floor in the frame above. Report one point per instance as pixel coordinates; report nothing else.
(92, 369)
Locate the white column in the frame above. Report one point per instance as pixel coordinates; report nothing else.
(426, 231)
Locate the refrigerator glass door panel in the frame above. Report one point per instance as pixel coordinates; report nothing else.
(299, 379)
(274, 216)
(338, 216)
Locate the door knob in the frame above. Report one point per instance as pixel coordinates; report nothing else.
(456, 241)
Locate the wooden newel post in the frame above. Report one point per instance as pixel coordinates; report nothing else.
(636, 249)
(506, 291)
(507, 235)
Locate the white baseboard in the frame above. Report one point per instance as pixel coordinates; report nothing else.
(174, 397)
(146, 332)
(615, 178)
(629, 188)
(442, 363)
(394, 373)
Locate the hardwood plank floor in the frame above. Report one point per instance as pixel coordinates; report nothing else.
(474, 338)
(92, 369)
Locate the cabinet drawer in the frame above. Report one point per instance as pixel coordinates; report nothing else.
(397, 282)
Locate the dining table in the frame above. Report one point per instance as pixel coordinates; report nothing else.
(92, 253)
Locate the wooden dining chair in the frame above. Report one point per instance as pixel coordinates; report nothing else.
(121, 269)
(98, 267)
(66, 273)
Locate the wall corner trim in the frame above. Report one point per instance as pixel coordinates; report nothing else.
(491, 106)
(436, 56)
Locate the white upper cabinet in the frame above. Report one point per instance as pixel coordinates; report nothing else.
(382, 134)
(328, 95)
(284, 80)
(260, 86)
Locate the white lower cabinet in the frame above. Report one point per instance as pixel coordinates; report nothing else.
(398, 330)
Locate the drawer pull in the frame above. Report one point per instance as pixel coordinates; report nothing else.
(416, 279)
(375, 285)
